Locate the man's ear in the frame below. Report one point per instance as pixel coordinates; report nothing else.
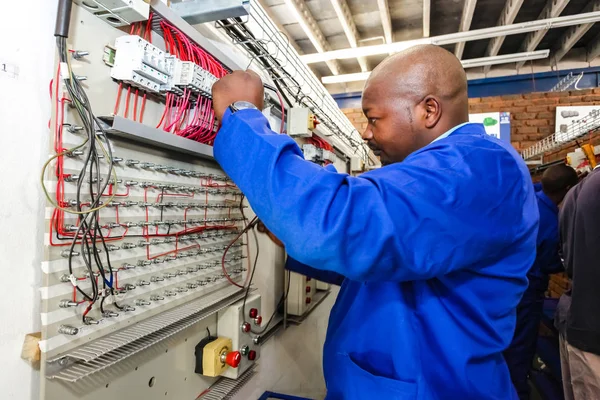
(433, 111)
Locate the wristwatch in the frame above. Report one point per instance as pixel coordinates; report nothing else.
(241, 105)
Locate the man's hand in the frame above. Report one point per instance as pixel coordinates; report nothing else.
(237, 86)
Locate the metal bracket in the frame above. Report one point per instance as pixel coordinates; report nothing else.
(200, 11)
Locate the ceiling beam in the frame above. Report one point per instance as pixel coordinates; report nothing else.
(426, 18)
(310, 27)
(573, 34)
(593, 49)
(386, 20)
(280, 27)
(345, 16)
(451, 38)
(509, 13)
(470, 63)
(465, 25)
(552, 9)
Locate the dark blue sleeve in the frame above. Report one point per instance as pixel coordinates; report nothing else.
(320, 275)
(414, 220)
(548, 245)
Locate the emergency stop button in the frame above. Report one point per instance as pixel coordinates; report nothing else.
(233, 359)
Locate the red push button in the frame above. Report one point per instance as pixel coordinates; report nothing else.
(308, 289)
(253, 312)
(246, 327)
(308, 300)
(258, 320)
(233, 359)
(252, 355)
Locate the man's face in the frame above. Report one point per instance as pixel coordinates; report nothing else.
(391, 132)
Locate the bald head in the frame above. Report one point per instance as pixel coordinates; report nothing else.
(557, 180)
(411, 98)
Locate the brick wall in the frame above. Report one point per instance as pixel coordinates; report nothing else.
(532, 119)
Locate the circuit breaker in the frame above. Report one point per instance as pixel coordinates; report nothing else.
(237, 323)
(300, 296)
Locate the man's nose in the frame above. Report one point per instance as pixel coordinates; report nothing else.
(367, 134)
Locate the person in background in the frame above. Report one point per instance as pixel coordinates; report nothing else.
(578, 311)
(556, 182)
(434, 246)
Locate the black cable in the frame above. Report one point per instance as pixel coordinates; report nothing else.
(89, 229)
(283, 296)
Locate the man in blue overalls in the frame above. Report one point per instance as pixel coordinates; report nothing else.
(556, 182)
(434, 246)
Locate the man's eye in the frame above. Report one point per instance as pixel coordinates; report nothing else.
(372, 121)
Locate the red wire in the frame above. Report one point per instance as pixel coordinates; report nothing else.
(135, 105)
(143, 107)
(127, 101)
(118, 102)
(148, 32)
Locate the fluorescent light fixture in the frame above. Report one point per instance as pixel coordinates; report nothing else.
(471, 63)
(477, 34)
(505, 58)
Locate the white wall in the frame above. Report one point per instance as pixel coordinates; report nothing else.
(28, 43)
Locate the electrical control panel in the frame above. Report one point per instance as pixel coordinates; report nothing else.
(238, 323)
(142, 238)
(300, 296)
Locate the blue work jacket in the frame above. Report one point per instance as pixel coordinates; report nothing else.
(435, 251)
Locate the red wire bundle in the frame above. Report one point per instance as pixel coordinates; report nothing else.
(183, 116)
(319, 142)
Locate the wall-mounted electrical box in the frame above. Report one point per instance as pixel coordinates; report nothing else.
(300, 122)
(237, 323)
(356, 164)
(300, 296)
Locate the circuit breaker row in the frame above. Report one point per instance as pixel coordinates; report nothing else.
(141, 64)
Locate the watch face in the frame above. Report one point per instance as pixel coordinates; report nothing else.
(242, 105)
